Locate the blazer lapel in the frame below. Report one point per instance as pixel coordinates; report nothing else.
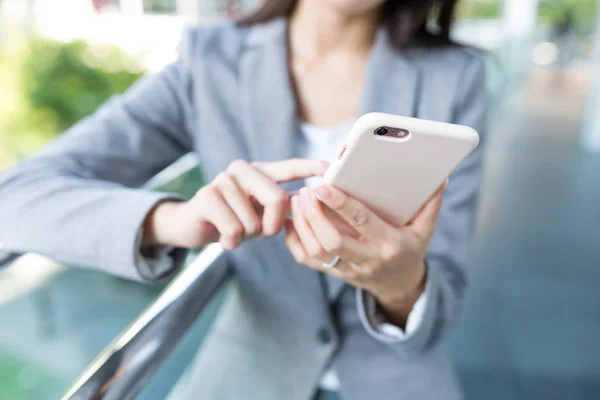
(392, 86)
(268, 104)
(269, 116)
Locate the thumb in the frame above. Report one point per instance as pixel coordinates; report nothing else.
(424, 223)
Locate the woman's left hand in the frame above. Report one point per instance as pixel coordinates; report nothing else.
(386, 260)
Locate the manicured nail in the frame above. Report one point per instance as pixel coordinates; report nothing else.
(304, 198)
(323, 193)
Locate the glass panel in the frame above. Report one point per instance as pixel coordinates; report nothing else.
(56, 320)
(186, 184)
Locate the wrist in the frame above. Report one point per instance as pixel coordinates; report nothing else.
(397, 306)
(409, 294)
(159, 223)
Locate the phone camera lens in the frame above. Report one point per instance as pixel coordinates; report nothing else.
(381, 131)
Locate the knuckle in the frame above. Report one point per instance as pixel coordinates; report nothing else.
(209, 191)
(254, 228)
(301, 257)
(317, 252)
(390, 252)
(334, 244)
(272, 229)
(237, 165)
(227, 245)
(339, 202)
(358, 217)
(223, 177)
(228, 242)
(278, 199)
(233, 231)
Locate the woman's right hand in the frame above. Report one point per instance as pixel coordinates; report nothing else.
(244, 201)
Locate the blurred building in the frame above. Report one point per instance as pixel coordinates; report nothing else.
(157, 23)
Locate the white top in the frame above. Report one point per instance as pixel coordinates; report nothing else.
(323, 144)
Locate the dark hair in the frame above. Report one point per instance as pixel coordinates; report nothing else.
(408, 22)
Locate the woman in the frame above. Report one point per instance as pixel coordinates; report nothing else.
(259, 100)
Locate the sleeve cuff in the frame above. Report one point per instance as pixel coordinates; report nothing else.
(158, 261)
(420, 324)
(378, 320)
(380, 323)
(125, 253)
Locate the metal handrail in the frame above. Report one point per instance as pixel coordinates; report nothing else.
(126, 365)
(8, 258)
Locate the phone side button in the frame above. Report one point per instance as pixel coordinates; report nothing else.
(341, 153)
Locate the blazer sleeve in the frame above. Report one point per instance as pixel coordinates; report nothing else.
(76, 200)
(448, 251)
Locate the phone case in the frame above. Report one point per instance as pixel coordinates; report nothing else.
(396, 176)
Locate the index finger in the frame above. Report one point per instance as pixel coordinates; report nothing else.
(355, 213)
(292, 169)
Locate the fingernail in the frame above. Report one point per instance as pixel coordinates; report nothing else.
(323, 193)
(304, 198)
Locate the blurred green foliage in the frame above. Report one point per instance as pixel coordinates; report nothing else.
(48, 86)
(583, 13)
(551, 12)
(479, 9)
(71, 80)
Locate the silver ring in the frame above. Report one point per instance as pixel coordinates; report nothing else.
(332, 263)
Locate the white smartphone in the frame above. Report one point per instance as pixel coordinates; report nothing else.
(394, 164)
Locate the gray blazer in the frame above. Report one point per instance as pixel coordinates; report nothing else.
(229, 97)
